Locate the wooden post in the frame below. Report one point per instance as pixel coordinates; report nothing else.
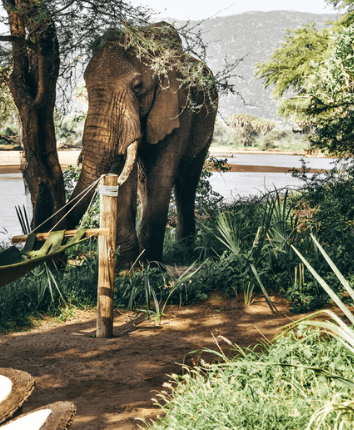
(107, 254)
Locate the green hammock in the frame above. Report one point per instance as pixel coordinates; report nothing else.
(15, 263)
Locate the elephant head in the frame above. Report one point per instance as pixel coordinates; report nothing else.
(142, 107)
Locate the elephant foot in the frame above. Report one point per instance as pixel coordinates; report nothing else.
(151, 258)
(127, 262)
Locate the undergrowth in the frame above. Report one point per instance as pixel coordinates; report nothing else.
(277, 388)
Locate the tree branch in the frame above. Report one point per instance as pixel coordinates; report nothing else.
(324, 108)
(20, 41)
(57, 12)
(41, 80)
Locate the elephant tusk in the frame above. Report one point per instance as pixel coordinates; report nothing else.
(132, 151)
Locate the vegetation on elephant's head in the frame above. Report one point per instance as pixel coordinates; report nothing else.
(160, 47)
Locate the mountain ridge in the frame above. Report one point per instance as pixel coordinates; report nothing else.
(253, 35)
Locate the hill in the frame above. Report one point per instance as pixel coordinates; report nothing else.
(253, 35)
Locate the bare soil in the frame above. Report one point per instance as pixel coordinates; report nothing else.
(112, 381)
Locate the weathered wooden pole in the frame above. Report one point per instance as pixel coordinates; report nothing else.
(107, 254)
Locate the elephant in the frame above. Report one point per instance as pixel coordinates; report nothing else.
(152, 128)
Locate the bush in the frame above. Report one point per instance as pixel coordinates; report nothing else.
(48, 291)
(284, 140)
(248, 127)
(224, 135)
(253, 391)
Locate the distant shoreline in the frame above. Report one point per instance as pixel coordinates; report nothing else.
(10, 161)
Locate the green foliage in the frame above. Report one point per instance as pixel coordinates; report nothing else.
(289, 66)
(331, 97)
(46, 290)
(278, 388)
(69, 129)
(276, 139)
(150, 289)
(340, 4)
(324, 206)
(328, 200)
(224, 134)
(247, 126)
(317, 68)
(284, 140)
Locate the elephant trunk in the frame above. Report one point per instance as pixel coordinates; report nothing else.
(100, 148)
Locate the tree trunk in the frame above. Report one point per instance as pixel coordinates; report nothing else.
(33, 87)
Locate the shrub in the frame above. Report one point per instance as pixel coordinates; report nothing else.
(224, 134)
(248, 126)
(278, 388)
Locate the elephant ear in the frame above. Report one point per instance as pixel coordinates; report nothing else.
(164, 115)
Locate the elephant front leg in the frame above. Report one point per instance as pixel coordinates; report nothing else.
(185, 189)
(155, 197)
(127, 241)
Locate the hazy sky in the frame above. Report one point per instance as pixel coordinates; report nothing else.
(200, 9)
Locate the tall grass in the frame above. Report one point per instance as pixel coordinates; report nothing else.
(47, 291)
(252, 391)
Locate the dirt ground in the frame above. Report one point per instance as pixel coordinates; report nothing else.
(112, 381)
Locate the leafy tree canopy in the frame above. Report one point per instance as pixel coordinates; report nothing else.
(288, 66)
(340, 4)
(330, 97)
(313, 75)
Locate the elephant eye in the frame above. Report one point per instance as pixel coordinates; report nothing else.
(137, 87)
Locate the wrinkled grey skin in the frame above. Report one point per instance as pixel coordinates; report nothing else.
(128, 103)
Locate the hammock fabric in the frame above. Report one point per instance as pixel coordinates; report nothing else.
(15, 263)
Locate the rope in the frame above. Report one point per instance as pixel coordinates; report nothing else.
(88, 208)
(109, 190)
(82, 194)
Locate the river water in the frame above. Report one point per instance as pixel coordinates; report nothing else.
(230, 184)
